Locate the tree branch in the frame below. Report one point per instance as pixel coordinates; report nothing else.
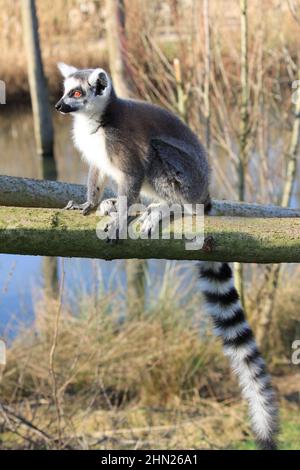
(26, 192)
(52, 232)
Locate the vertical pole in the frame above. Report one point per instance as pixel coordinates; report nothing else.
(43, 127)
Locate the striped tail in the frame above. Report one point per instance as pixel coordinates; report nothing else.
(224, 307)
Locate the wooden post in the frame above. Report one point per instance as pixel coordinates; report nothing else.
(43, 127)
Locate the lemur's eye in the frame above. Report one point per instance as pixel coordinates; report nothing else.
(77, 94)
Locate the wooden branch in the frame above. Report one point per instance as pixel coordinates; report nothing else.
(26, 192)
(246, 209)
(52, 232)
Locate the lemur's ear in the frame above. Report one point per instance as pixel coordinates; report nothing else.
(99, 80)
(65, 69)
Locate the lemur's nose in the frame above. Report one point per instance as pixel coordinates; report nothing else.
(58, 105)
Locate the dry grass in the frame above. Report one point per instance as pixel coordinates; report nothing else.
(122, 382)
(74, 31)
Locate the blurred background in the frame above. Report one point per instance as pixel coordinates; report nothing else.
(119, 354)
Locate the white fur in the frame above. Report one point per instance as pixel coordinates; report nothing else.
(231, 332)
(92, 145)
(214, 286)
(241, 352)
(95, 74)
(70, 84)
(261, 410)
(220, 311)
(65, 69)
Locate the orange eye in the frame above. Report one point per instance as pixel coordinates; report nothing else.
(77, 94)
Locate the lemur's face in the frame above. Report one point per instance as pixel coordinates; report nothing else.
(85, 90)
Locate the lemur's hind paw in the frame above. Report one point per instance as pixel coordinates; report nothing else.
(86, 207)
(108, 206)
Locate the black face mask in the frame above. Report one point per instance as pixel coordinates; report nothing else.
(63, 107)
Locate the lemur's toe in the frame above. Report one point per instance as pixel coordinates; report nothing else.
(69, 205)
(86, 207)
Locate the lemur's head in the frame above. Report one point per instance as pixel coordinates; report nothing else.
(85, 90)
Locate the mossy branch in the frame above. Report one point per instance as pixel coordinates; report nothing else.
(52, 232)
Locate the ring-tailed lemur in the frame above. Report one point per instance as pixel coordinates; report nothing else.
(147, 149)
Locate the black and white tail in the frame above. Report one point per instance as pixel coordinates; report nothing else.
(224, 307)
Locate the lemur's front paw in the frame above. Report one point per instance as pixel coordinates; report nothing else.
(108, 206)
(86, 207)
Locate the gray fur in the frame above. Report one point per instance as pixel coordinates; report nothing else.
(146, 143)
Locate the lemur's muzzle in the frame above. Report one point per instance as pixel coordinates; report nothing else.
(63, 107)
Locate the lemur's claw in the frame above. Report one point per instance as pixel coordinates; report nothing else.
(89, 207)
(69, 206)
(86, 207)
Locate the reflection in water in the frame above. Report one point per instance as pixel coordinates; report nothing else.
(17, 147)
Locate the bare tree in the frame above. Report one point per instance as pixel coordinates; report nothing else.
(116, 39)
(207, 66)
(244, 129)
